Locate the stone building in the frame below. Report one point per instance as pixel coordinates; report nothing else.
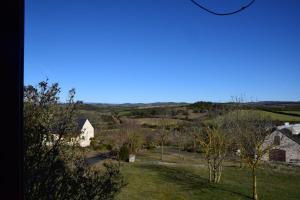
(285, 143)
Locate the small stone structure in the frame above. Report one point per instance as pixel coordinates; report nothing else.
(131, 157)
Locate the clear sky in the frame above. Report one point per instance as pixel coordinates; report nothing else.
(164, 50)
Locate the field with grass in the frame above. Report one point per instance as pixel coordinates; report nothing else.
(183, 175)
(282, 117)
(272, 115)
(291, 112)
(157, 181)
(157, 121)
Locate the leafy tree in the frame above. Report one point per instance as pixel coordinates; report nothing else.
(124, 153)
(58, 170)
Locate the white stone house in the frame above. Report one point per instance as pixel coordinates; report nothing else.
(85, 133)
(285, 141)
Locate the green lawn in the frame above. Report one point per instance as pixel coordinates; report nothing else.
(185, 180)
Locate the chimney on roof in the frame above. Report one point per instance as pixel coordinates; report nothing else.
(296, 129)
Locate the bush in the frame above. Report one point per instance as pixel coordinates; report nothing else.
(59, 171)
(94, 144)
(188, 149)
(150, 145)
(108, 147)
(124, 153)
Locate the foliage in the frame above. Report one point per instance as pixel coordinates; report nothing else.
(203, 106)
(150, 139)
(99, 145)
(149, 112)
(124, 153)
(150, 145)
(133, 136)
(54, 169)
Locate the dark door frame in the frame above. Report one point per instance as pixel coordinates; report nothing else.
(277, 155)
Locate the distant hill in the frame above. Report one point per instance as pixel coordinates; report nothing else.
(140, 104)
(275, 103)
(159, 104)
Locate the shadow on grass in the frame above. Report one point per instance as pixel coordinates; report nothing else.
(188, 180)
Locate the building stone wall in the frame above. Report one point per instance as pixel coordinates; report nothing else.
(291, 147)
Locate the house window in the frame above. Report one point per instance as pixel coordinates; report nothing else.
(277, 140)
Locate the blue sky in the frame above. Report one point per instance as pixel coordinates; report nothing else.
(164, 50)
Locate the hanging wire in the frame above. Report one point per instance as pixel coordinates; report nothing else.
(222, 14)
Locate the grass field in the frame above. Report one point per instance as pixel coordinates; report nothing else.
(180, 179)
(275, 116)
(156, 121)
(282, 117)
(292, 112)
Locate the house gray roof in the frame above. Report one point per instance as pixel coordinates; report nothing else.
(81, 122)
(78, 126)
(288, 133)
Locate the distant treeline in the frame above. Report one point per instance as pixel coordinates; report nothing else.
(155, 112)
(278, 108)
(206, 106)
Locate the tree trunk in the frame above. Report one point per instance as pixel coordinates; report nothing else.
(241, 162)
(210, 172)
(215, 174)
(255, 197)
(214, 171)
(162, 150)
(219, 173)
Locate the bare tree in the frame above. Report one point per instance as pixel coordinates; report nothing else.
(128, 137)
(133, 136)
(194, 133)
(163, 134)
(252, 128)
(234, 113)
(216, 144)
(180, 135)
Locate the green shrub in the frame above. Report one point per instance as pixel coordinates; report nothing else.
(188, 148)
(59, 170)
(150, 145)
(108, 147)
(93, 143)
(124, 153)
